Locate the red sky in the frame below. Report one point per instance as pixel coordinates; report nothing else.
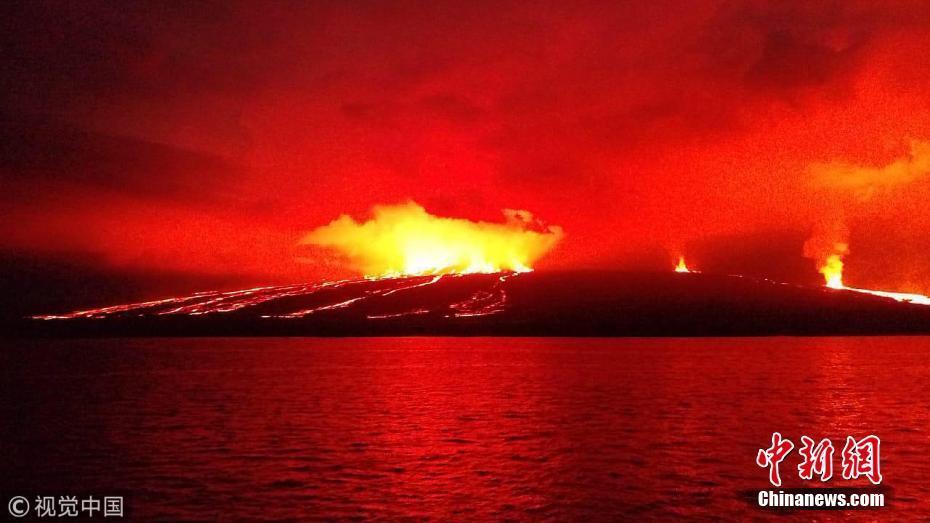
(205, 139)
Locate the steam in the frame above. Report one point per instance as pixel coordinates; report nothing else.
(866, 180)
(405, 239)
(829, 243)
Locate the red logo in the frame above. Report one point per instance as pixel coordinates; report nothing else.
(859, 458)
(773, 456)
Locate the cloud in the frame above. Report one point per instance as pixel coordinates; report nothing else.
(829, 243)
(865, 180)
(629, 124)
(42, 156)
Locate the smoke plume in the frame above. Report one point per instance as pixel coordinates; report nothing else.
(865, 181)
(405, 239)
(829, 243)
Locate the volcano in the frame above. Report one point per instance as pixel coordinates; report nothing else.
(507, 304)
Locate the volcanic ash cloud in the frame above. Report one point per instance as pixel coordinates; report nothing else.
(405, 239)
(866, 180)
(829, 243)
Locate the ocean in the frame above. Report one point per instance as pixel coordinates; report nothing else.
(458, 429)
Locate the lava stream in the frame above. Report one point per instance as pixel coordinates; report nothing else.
(906, 297)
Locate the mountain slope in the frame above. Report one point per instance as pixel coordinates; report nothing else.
(548, 304)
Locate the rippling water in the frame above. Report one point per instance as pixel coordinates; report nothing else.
(452, 428)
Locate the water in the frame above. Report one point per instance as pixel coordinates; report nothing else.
(454, 429)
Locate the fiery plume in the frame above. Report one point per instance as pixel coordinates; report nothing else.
(682, 266)
(832, 270)
(404, 239)
(830, 244)
(827, 247)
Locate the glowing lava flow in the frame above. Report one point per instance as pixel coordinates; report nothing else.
(197, 304)
(367, 294)
(483, 303)
(292, 302)
(832, 271)
(918, 299)
(400, 248)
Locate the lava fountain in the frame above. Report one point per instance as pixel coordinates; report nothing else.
(832, 270)
(406, 240)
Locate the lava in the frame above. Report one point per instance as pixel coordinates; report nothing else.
(403, 284)
(828, 246)
(405, 240)
(197, 304)
(483, 296)
(483, 303)
(326, 296)
(413, 312)
(832, 270)
(918, 299)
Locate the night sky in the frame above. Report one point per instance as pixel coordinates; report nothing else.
(150, 148)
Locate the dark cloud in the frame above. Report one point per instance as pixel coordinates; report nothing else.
(35, 157)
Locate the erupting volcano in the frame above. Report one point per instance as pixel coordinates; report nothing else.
(420, 273)
(398, 252)
(832, 271)
(828, 247)
(576, 303)
(405, 240)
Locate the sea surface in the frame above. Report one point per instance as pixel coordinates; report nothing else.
(456, 429)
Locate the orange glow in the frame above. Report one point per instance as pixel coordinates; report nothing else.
(406, 240)
(832, 271)
(681, 267)
(918, 299)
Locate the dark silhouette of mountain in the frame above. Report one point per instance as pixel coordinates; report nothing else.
(534, 304)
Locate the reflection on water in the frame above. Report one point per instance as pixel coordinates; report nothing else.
(453, 428)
